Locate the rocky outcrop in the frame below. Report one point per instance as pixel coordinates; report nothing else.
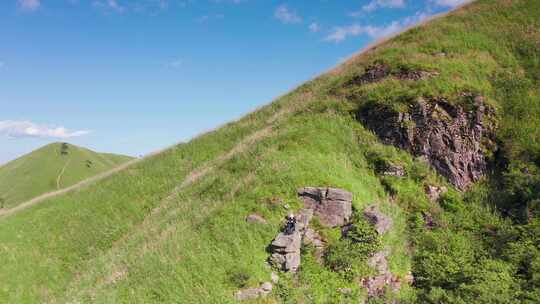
(286, 251)
(285, 248)
(377, 285)
(381, 221)
(253, 293)
(449, 136)
(380, 71)
(332, 206)
(384, 279)
(312, 238)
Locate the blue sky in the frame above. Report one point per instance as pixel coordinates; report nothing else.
(135, 76)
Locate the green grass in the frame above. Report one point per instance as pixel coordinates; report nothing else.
(146, 236)
(47, 169)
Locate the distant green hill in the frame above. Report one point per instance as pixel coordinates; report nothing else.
(50, 168)
(438, 127)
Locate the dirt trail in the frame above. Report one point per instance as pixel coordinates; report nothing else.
(61, 173)
(117, 270)
(239, 148)
(81, 184)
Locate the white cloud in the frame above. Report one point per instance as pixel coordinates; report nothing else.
(285, 15)
(30, 5)
(314, 27)
(18, 129)
(450, 3)
(375, 4)
(341, 33)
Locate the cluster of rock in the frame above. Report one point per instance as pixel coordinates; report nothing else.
(449, 136)
(377, 284)
(287, 245)
(333, 207)
(380, 71)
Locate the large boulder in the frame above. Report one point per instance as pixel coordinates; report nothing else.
(332, 206)
(285, 243)
(286, 247)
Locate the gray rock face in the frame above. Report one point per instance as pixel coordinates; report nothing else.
(332, 206)
(312, 238)
(255, 218)
(253, 293)
(448, 136)
(376, 285)
(285, 248)
(384, 279)
(381, 221)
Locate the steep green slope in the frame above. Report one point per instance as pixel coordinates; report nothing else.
(50, 168)
(172, 229)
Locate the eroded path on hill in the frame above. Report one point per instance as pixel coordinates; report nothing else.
(114, 259)
(41, 198)
(59, 178)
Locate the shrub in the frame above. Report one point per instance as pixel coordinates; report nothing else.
(348, 255)
(238, 277)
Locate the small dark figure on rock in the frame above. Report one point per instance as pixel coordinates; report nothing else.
(291, 224)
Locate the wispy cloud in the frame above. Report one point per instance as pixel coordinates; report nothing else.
(341, 33)
(19, 129)
(376, 4)
(450, 3)
(314, 27)
(286, 15)
(138, 6)
(29, 5)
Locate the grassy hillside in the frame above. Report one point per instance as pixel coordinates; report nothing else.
(49, 168)
(172, 229)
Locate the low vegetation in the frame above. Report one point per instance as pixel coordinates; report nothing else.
(172, 228)
(50, 168)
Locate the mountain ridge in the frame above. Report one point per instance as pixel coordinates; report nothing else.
(175, 228)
